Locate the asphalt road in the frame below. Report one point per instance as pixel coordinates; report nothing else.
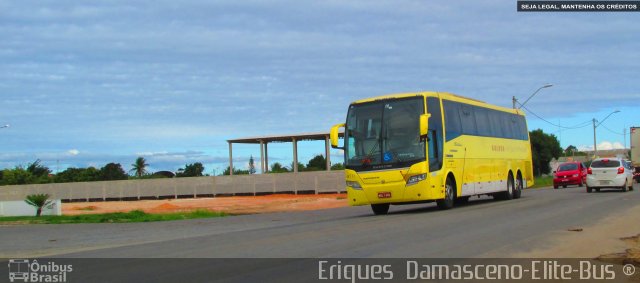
(481, 227)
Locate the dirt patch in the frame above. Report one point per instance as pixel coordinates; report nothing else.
(87, 208)
(231, 205)
(166, 206)
(614, 239)
(630, 255)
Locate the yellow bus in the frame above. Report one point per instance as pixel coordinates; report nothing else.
(432, 146)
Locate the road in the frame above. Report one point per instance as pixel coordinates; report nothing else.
(481, 228)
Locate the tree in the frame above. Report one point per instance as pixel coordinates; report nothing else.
(39, 173)
(278, 168)
(38, 201)
(38, 170)
(252, 166)
(235, 171)
(78, 175)
(337, 166)
(191, 170)
(35, 173)
(300, 167)
(317, 163)
(570, 150)
(140, 166)
(16, 176)
(112, 171)
(544, 147)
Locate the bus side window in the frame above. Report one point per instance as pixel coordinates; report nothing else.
(434, 157)
(435, 134)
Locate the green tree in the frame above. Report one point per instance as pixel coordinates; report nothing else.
(39, 173)
(139, 167)
(278, 168)
(317, 163)
(301, 167)
(38, 170)
(570, 150)
(544, 147)
(38, 201)
(252, 166)
(235, 171)
(337, 166)
(71, 174)
(16, 176)
(191, 170)
(112, 171)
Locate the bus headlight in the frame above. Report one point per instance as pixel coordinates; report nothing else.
(354, 185)
(415, 179)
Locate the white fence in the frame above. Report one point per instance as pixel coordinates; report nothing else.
(21, 208)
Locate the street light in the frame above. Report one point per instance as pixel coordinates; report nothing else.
(595, 147)
(525, 102)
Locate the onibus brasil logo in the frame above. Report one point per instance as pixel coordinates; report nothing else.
(22, 269)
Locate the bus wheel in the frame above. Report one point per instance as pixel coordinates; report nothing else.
(509, 193)
(380, 209)
(449, 196)
(519, 187)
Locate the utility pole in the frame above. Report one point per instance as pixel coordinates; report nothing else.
(624, 134)
(595, 146)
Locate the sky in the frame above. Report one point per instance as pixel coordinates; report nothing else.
(85, 83)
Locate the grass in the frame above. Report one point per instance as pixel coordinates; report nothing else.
(118, 217)
(543, 182)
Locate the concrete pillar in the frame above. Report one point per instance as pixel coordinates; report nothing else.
(327, 153)
(230, 159)
(266, 158)
(261, 157)
(295, 155)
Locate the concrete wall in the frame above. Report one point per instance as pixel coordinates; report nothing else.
(303, 182)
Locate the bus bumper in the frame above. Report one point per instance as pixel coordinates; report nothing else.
(393, 193)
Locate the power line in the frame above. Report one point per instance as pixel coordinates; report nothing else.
(578, 126)
(611, 130)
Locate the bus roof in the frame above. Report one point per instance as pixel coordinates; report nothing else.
(443, 95)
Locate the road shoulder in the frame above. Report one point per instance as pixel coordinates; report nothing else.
(613, 236)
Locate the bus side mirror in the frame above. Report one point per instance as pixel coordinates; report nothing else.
(334, 135)
(424, 125)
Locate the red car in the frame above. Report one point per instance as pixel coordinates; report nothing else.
(570, 173)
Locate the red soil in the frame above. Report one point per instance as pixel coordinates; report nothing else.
(232, 205)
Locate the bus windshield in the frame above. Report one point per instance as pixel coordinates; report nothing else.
(384, 134)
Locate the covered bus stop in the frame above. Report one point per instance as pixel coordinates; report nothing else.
(263, 141)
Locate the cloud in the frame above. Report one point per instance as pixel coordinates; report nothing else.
(605, 145)
(73, 152)
(122, 77)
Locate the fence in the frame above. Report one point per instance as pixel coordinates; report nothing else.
(296, 183)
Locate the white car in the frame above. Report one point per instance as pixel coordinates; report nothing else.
(609, 173)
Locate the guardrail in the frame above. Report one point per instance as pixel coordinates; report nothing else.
(317, 182)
